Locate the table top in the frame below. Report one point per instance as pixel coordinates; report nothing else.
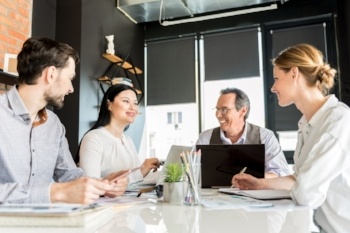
(149, 217)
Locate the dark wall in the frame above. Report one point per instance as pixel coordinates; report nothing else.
(343, 42)
(102, 18)
(83, 25)
(44, 18)
(60, 20)
(68, 30)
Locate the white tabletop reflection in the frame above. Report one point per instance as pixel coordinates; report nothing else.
(283, 217)
(196, 219)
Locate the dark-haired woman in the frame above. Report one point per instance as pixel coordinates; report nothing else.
(105, 148)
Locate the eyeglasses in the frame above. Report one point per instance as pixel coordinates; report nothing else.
(223, 111)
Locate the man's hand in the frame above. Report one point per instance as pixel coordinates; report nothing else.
(84, 190)
(119, 182)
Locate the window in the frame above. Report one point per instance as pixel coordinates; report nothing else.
(253, 87)
(173, 124)
(172, 116)
(238, 66)
(171, 97)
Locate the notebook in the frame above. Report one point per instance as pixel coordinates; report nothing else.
(221, 162)
(264, 194)
(54, 215)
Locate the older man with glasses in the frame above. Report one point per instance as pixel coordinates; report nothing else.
(232, 111)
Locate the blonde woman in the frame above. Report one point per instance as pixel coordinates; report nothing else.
(321, 176)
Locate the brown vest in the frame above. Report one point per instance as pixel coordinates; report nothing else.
(252, 137)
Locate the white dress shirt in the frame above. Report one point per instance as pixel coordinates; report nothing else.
(322, 166)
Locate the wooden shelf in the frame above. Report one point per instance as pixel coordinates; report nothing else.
(106, 79)
(120, 62)
(103, 79)
(131, 72)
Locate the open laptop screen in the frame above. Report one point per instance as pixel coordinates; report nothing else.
(173, 157)
(221, 162)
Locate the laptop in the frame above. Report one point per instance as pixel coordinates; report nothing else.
(157, 178)
(173, 157)
(221, 162)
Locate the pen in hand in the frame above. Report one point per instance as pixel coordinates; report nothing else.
(241, 172)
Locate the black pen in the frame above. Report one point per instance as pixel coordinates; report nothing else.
(145, 190)
(87, 207)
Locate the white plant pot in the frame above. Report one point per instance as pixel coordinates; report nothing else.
(173, 192)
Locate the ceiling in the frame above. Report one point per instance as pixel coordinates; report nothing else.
(142, 11)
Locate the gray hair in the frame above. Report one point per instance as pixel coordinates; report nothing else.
(241, 99)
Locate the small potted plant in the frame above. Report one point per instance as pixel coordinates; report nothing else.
(173, 184)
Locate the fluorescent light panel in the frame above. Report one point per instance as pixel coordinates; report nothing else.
(221, 15)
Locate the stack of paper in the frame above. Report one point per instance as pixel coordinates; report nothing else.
(62, 215)
(265, 194)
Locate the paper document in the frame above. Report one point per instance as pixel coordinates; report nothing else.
(122, 200)
(55, 215)
(233, 202)
(46, 209)
(265, 194)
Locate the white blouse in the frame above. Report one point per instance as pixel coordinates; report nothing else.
(322, 165)
(101, 154)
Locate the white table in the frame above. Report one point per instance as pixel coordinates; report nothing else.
(164, 217)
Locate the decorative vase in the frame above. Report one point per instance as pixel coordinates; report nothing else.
(173, 192)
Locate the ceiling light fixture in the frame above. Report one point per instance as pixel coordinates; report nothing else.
(220, 15)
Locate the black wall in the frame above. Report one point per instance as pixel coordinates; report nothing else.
(99, 19)
(44, 18)
(343, 42)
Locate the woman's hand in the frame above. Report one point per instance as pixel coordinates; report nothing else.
(148, 165)
(113, 176)
(246, 182)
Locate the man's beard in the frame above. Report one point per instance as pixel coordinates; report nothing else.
(55, 102)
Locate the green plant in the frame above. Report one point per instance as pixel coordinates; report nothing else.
(173, 173)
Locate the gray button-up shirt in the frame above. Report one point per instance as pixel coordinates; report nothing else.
(32, 156)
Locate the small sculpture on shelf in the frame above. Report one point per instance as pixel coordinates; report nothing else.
(110, 48)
